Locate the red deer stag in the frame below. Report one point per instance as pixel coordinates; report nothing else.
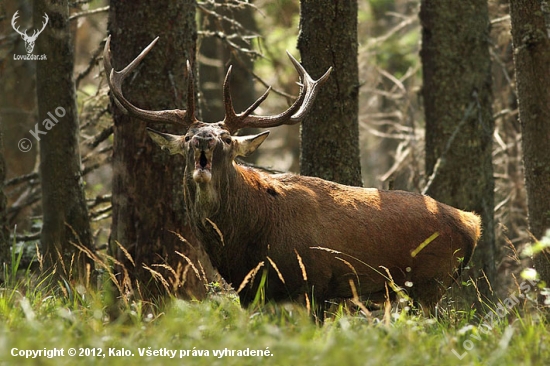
(313, 236)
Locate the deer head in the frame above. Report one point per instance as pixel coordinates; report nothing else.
(211, 147)
(29, 40)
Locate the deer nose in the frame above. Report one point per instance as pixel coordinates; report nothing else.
(203, 142)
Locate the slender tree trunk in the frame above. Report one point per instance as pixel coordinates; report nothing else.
(4, 232)
(532, 60)
(459, 124)
(64, 207)
(149, 217)
(330, 133)
(218, 56)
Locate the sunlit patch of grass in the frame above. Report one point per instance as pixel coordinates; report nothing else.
(48, 321)
(46, 318)
(37, 313)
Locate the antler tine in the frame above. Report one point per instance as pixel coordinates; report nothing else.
(294, 114)
(44, 23)
(230, 114)
(310, 89)
(115, 79)
(13, 24)
(227, 101)
(232, 119)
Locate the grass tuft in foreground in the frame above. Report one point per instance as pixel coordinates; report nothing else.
(213, 332)
(41, 318)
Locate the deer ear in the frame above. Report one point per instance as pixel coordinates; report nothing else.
(166, 141)
(246, 145)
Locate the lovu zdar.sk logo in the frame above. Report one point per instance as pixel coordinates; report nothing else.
(29, 40)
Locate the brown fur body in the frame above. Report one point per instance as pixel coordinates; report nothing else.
(261, 215)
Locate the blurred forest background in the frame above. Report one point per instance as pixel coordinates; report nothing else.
(254, 37)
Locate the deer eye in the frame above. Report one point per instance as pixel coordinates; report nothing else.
(227, 140)
(187, 138)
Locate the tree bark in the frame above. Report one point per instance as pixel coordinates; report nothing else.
(17, 100)
(531, 59)
(330, 133)
(64, 209)
(219, 55)
(459, 125)
(4, 232)
(148, 203)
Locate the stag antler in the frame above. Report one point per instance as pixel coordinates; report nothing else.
(115, 78)
(232, 121)
(35, 33)
(294, 114)
(13, 19)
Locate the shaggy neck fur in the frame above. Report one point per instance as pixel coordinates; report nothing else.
(232, 203)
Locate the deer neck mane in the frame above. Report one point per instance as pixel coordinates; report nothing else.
(221, 213)
(226, 196)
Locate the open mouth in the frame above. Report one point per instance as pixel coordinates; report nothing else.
(203, 166)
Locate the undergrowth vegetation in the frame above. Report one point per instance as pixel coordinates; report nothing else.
(212, 332)
(47, 319)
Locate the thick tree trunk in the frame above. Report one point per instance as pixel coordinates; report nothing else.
(459, 124)
(64, 207)
(17, 99)
(532, 60)
(330, 133)
(148, 207)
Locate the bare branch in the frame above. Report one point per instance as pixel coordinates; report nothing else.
(96, 55)
(100, 137)
(89, 12)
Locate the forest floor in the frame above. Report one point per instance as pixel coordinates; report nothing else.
(64, 325)
(61, 322)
